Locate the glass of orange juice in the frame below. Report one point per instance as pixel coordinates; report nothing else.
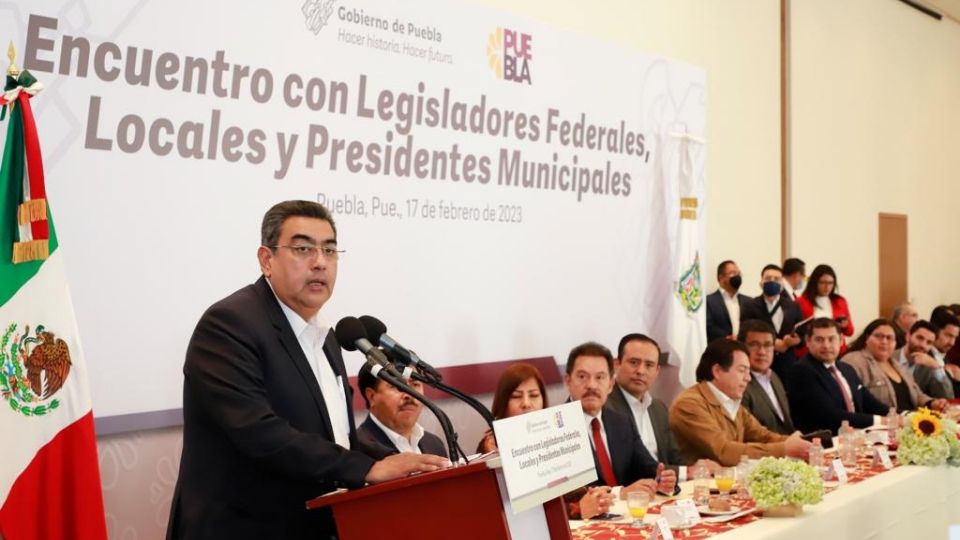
(724, 477)
(637, 503)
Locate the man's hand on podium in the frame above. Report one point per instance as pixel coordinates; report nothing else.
(404, 464)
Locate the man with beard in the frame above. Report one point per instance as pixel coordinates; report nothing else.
(392, 421)
(917, 357)
(725, 304)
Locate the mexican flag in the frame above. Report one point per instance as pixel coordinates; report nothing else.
(49, 477)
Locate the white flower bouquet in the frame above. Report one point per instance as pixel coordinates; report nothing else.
(777, 482)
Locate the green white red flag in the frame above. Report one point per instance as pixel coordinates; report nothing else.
(49, 475)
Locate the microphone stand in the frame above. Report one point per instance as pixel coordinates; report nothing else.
(449, 434)
(468, 399)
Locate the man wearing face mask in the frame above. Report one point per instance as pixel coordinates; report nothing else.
(725, 305)
(778, 310)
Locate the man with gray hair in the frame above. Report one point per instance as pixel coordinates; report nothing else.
(267, 421)
(903, 317)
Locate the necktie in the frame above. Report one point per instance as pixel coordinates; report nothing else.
(606, 468)
(843, 389)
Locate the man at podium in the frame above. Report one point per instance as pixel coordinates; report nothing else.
(267, 421)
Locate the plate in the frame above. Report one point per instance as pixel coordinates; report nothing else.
(706, 511)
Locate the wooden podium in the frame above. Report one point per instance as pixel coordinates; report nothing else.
(464, 502)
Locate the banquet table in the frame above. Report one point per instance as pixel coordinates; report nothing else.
(905, 502)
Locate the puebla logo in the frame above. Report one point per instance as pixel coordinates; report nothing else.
(689, 288)
(33, 369)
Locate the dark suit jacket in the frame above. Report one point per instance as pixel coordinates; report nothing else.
(718, 319)
(659, 419)
(817, 401)
(628, 456)
(257, 439)
(756, 308)
(756, 400)
(372, 434)
(927, 381)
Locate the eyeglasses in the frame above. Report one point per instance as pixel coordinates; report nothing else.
(884, 337)
(310, 251)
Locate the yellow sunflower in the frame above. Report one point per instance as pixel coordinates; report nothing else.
(925, 423)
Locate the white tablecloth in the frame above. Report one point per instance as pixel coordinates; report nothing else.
(904, 503)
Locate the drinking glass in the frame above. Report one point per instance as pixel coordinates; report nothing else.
(637, 503)
(725, 477)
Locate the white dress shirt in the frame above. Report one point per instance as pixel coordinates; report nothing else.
(402, 443)
(777, 316)
(764, 381)
(732, 406)
(733, 309)
(823, 308)
(603, 432)
(641, 416)
(311, 336)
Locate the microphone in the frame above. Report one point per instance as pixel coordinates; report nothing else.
(377, 331)
(352, 336)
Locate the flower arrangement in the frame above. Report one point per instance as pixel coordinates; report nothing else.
(928, 439)
(781, 481)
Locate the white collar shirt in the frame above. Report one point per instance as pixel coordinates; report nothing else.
(777, 316)
(603, 432)
(641, 416)
(765, 382)
(732, 406)
(733, 309)
(402, 443)
(311, 335)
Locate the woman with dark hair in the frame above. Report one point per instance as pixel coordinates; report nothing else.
(871, 357)
(820, 299)
(519, 390)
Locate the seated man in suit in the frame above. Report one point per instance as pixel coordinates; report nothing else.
(779, 311)
(916, 357)
(824, 391)
(725, 304)
(637, 366)
(708, 420)
(392, 421)
(621, 459)
(765, 396)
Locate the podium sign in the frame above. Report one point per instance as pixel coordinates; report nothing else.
(544, 454)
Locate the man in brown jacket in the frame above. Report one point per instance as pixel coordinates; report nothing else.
(708, 421)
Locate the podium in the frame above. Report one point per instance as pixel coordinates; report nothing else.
(464, 502)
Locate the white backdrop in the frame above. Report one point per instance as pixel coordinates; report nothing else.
(150, 240)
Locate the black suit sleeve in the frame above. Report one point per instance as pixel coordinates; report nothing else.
(223, 376)
(642, 464)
